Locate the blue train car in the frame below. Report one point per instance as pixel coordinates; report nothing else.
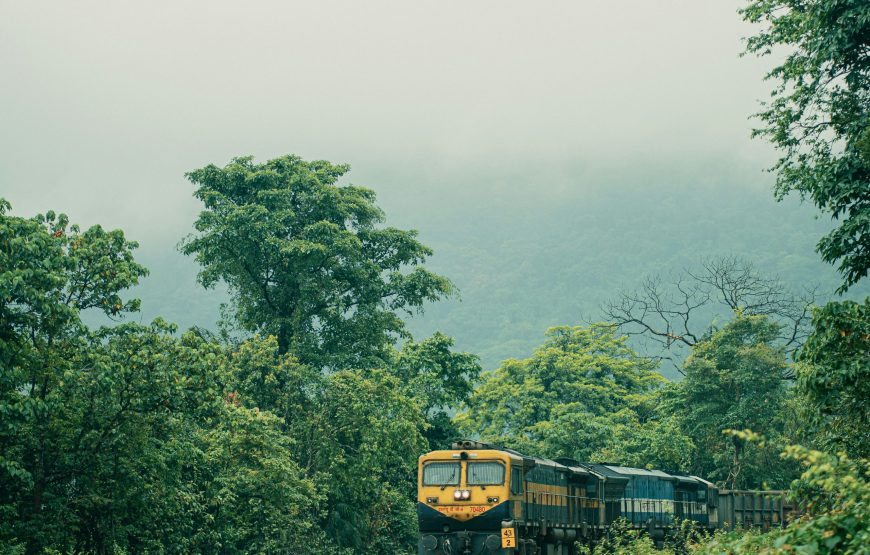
(645, 498)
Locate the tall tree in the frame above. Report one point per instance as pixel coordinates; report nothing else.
(558, 401)
(819, 115)
(306, 259)
(49, 272)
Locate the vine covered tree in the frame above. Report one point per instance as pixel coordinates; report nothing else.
(819, 115)
(306, 260)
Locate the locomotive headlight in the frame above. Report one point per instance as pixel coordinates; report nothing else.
(457, 495)
(466, 495)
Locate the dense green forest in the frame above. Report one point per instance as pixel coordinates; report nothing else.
(270, 388)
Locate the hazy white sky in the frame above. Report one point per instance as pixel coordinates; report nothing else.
(104, 105)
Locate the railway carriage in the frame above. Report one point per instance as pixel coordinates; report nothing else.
(482, 499)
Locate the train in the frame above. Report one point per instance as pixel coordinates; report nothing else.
(476, 499)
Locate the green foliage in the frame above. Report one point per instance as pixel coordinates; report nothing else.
(819, 115)
(252, 496)
(685, 536)
(836, 493)
(623, 539)
(364, 443)
(49, 272)
(124, 439)
(658, 442)
(734, 380)
(136, 450)
(439, 379)
(356, 436)
(557, 402)
(310, 267)
(305, 260)
(835, 376)
(739, 542)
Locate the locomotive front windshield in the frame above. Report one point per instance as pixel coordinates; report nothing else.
(485, 474)
(441, 474)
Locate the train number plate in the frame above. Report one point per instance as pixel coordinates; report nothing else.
(508, 538)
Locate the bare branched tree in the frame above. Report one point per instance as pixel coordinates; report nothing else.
(679, 314)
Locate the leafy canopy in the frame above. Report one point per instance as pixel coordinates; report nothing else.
(123, 439)
(819, 115)
(49, 272)
(439, 379)
(835, 495)
(734, 380)
(356, 435)
(553, 402)
(307, 261)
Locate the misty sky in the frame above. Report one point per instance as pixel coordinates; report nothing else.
(104, 105)
(449, 110)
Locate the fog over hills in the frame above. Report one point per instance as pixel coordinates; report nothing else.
(525, 262)
(549, 153)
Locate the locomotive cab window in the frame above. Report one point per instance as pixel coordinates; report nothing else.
(516, 481)
(485, 474)
(441, 474)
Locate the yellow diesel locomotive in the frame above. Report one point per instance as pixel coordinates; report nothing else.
(478, 499)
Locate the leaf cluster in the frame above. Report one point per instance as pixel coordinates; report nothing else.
(835, 376)
(819, 115)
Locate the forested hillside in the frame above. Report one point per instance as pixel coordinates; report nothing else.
(526, 254)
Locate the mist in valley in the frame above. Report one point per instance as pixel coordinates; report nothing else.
(550, 155)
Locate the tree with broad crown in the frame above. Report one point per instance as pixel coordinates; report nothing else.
(556, 402)
(49, 272)
(819, 115)
(306, 260)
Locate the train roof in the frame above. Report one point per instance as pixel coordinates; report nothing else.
(610, 471)
(629, 471)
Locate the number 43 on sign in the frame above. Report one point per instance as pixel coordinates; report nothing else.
(508, 537)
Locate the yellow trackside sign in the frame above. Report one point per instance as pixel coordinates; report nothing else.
(508, 538)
